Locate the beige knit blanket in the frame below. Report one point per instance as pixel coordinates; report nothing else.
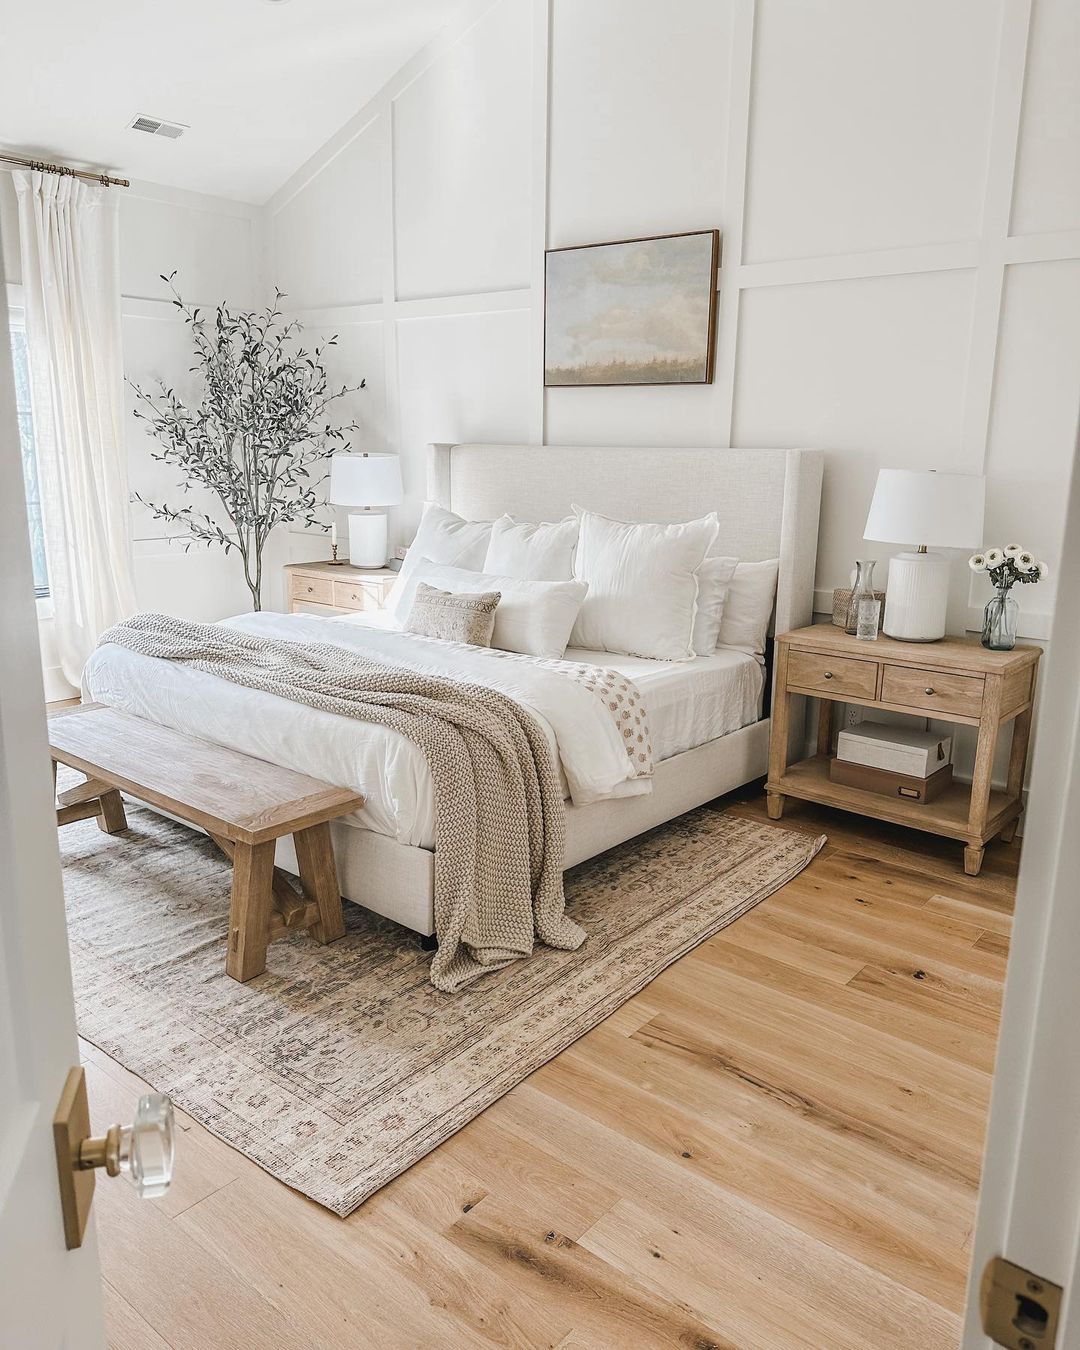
(499, 822)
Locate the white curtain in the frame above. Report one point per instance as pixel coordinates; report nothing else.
(69, 237)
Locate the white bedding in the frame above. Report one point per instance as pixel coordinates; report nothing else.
(688, 703)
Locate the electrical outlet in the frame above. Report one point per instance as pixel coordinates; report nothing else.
(853, 715)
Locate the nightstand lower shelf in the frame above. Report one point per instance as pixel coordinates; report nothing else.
(947, 815)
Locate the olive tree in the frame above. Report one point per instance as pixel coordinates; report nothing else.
(260, 435)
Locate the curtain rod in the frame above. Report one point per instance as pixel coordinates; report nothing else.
(64, 171)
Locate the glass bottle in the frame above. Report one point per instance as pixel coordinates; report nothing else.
(864, 610)
(999, 622)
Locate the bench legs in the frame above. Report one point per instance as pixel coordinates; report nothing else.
(91, 798)
(318, 876)
(253, 912)
(249, 911)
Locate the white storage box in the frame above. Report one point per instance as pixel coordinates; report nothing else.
(898, 749)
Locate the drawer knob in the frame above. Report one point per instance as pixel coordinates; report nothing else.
(828, 674)
(929, 689)
(310, 589)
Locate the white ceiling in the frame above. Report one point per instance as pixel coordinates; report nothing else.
(262, 85)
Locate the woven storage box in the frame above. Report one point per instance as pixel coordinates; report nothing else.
(841, 598)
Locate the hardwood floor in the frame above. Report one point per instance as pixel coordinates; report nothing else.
(776, 1144)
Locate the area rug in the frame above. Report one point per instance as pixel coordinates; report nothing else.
(341, 1066)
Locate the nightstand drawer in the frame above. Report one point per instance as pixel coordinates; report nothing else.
(932, 691)
(315, 590)
(835, 675)
(358, 594)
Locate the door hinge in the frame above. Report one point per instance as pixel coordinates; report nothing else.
(1020, 1310)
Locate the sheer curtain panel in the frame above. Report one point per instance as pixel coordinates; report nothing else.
(69, 232)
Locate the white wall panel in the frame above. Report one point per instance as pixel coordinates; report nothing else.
(638, 118)
(1034, 418)
(462, 378)
(689, 415)
(870, 370)
(329, 238)
(1047, 192)
(462, 163)
(869, 125)
(215, 252)
(359, 354)
(157, 347)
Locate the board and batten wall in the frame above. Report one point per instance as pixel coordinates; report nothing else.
(216, 246)
(898, 193)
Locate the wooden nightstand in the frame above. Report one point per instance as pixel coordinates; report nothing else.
(323, 586)
(954, 680)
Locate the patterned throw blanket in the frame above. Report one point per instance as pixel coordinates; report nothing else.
(498, 806)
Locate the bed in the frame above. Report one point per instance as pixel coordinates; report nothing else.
(706, 715)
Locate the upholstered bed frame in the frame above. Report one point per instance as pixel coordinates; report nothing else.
(767, 501)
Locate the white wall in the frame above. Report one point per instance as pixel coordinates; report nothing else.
(217, 247)
(898, 191)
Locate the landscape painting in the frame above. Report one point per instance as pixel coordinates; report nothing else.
(641, 311)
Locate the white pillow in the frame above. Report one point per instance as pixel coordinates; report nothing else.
(714, 574)
(532, 552)
(643, 585)
(441, 537)
(748, 606)
(533, 617)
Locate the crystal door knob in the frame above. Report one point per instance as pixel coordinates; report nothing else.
(142, 1151)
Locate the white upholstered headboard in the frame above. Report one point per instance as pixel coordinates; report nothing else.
(767, 500)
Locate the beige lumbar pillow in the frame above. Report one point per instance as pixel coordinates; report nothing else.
(454, 618)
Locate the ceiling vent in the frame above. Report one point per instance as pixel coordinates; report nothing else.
(154, 126)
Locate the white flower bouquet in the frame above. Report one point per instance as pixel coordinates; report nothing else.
(1008, 566)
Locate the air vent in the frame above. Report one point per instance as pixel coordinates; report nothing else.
(155, 126)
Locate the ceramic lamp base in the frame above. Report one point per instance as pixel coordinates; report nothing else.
(917, 597)
(367, 539)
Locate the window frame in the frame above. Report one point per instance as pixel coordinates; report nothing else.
(17, 320)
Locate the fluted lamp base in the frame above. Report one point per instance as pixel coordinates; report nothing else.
(917, 597)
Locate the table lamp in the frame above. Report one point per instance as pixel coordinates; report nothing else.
(939, 510)
(366, 480)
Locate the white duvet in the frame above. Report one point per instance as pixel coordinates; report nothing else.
(692, 705)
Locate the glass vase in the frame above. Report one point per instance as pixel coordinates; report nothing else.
(999, 622)
(864, 608)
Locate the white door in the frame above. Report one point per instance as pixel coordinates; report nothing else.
(49, 1296)
(1029, 1205)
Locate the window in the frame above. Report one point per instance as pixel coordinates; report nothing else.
(21, 361)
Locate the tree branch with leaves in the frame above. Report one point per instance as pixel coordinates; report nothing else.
(261, 435)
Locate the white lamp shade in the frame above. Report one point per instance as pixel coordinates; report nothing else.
(365, 480)
(940, 510)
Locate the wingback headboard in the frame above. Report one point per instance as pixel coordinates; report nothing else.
(767, 500)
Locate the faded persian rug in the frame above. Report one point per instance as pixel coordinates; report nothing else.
(341, 1066)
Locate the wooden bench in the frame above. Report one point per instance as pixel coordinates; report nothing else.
(243, 804)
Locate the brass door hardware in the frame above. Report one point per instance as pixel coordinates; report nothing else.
(143, 1152)
(1019, 1310)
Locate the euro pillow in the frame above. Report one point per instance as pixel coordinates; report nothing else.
(714, 576)
(533, 617)
(643, 585)
(532, 552)
(748, 606)
(442, 537)
(453, 618)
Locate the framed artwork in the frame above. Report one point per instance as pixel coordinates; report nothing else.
(636, 311)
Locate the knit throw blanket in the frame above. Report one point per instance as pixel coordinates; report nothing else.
(499, 822)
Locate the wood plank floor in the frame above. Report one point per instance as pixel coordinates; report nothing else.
(776, 1144)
